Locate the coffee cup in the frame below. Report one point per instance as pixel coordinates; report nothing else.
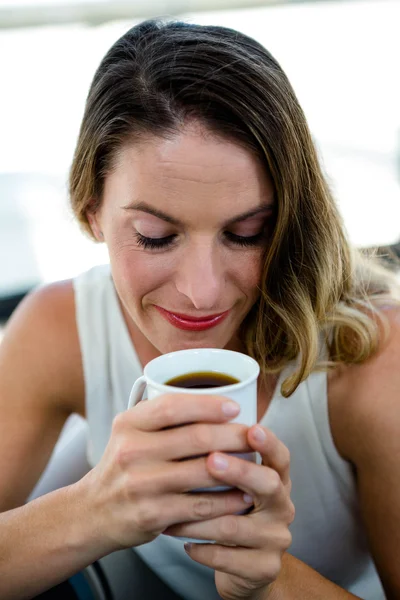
(231, 374)
(159, 373)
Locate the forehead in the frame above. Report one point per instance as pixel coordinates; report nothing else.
(194, 163)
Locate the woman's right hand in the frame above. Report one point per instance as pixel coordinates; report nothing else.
(155, 456)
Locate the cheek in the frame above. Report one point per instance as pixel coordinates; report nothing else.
(137, 273)
(248, 271)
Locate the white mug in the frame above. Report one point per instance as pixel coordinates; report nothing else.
(168, 366)
(240, 366)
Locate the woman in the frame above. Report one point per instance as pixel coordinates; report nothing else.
(194, 164)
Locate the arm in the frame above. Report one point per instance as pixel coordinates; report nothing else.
(47, 541)
(298, 581)
(364, 403)
(44, 541)
(365, 420)
(41, 384)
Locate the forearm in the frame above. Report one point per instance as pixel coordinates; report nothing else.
(298, 581)
(45, 542)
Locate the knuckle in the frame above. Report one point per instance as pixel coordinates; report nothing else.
(165, 409)
(291, 512)
(287, 539)
(147, 516)
(118, 424)
(229, 527)
(127, 452)
(273, 567)
(274, 483)
(123, 456)
(202, 508)
(200, 438)
(218, 558)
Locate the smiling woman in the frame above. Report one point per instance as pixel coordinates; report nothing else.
(218, 133)
(178, 236)
(195, 166)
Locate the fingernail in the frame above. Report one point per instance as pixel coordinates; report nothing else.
(259, 434)
(248, 499)
(220, 462)
(230, 409)
(187, 546)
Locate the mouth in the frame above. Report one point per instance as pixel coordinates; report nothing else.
(189, 323)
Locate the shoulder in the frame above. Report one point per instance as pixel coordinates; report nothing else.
(42, 336)
(57, 297)
(364, 398)
(49, 309)
(364, 407)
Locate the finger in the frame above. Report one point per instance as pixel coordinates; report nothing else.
(170, 410)
(201, 506)
(274, 453)
(251, 565)
(229, 529)
(198, 439)
(258, 481)
(173, 477)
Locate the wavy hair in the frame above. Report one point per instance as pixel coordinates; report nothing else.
(314, 285)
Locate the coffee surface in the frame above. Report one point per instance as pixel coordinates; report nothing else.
(202, 379)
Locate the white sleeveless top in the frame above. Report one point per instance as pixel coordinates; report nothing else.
(327, 531)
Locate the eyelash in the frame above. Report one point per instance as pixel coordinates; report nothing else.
(165, 242)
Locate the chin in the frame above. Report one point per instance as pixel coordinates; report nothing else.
(178, 343)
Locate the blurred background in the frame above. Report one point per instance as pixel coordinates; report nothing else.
(342, 57)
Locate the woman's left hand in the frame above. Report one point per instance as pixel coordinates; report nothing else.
(248, 549)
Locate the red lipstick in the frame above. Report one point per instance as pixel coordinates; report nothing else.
(189, 323)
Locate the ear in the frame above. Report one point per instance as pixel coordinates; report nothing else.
(92, 215)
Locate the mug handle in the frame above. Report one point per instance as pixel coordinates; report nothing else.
(137, 391)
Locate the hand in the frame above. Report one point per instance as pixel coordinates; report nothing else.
(248, 550)
(155, 456)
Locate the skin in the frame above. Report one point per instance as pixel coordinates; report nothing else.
(138, 489)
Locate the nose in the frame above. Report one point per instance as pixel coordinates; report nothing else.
(200, 276)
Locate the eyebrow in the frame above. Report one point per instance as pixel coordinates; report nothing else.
(143, 207)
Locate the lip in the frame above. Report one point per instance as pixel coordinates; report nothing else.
(188, 323)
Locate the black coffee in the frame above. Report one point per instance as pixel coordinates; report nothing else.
(202, 379)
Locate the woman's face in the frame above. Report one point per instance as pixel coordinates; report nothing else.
(186, 221)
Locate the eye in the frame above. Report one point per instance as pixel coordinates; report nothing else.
(242, 240)
(154, 243)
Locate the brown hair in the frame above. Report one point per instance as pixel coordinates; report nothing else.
(159, 74)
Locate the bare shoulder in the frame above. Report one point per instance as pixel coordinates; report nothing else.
(41, 342)
(364, 400)
(41, 384)
(364, 410)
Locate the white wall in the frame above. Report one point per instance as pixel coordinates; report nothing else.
(342, 59)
